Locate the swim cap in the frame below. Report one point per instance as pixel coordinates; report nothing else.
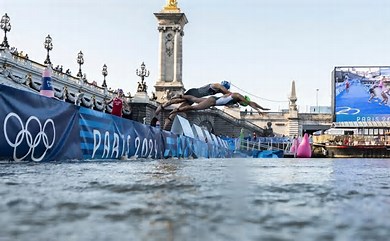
(225, 84)
(247, 99)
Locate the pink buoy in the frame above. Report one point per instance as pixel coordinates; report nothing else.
(304, 148)
(46, 87)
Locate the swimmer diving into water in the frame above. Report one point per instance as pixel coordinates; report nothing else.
(227, 99)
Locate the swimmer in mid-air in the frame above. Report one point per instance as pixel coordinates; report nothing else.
(209, 89)
(227, 99)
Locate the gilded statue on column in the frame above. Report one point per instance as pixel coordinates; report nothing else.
(171, 4)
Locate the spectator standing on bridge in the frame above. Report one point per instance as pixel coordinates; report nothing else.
(254, 137)
(117, 103)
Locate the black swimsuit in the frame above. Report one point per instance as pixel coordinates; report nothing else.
(202, 91)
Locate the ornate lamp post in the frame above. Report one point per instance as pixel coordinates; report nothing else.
(104, 73)
(142, 73)
(6, 26)
(48, 46)
(80, 61)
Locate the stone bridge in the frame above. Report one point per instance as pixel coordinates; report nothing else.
(214, 120)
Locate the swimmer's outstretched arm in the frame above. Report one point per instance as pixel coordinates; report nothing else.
(254, 104)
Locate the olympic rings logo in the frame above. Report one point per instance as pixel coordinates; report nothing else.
(25, 134)
(345, 110)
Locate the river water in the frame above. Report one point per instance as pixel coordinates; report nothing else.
(199, 199)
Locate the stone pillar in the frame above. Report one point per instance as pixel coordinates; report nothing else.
(170, 26)
(293, 120)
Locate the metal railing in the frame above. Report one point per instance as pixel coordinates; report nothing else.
(282, 144)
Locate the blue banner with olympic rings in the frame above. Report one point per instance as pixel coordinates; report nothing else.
(37, 128)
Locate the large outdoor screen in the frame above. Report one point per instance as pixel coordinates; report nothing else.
(361, 93)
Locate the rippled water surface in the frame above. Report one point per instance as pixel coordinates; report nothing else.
(200, 199)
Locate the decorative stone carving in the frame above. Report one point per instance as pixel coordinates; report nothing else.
(87, 102)
(28, 78)
(169, 43)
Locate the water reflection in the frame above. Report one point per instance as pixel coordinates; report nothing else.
(203, 199)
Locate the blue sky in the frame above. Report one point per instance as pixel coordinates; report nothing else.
(260, 46)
